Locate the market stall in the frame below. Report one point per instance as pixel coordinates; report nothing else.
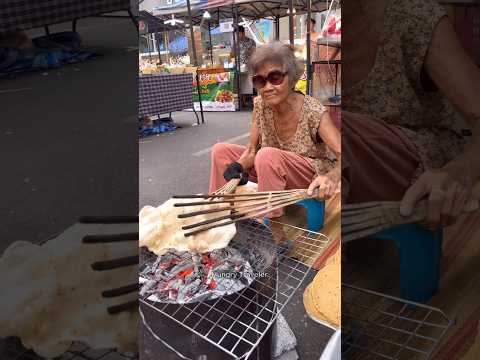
(164, 93)
(164, 89)
(224, 16)
(25, 15)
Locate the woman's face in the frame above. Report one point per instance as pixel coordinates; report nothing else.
(274, 95)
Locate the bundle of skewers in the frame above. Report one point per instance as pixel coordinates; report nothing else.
(366, 219)
(239, 206)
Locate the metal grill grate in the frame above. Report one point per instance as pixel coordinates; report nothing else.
(377, 326)
(237, 323)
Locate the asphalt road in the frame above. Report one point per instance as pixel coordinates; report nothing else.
(68, 137)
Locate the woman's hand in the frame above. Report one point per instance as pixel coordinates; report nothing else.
(235, 171)
(326, 185)
(446, 194)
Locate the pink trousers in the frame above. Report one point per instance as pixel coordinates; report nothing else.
(274, 169)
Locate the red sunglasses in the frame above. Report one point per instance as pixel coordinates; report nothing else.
(274, 77)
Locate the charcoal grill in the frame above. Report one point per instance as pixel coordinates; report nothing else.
(236, 326)
(377, 326)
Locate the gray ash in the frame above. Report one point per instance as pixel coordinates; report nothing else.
(182, 277)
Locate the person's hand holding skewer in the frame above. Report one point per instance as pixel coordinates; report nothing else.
(325, 186)
(447, 195)
(235, 171)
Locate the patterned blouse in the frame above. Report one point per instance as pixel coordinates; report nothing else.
(395, 90)
(305, 142)
(247, 47)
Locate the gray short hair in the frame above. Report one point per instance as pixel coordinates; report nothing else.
(277, 53)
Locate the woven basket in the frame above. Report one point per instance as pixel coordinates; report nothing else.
(322, 298)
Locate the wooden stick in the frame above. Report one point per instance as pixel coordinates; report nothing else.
(112, 310)
(385, 216)
(115, 264)
(120, 291)
(234, 199)
(242, 218)
(254, 202)
(100, 239)
(265, 205)
(263, 193)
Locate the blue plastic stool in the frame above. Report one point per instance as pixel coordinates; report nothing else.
(315, 214)
(420, 252)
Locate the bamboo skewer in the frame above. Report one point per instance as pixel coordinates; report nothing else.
(251, 201)
(241, 206)
(361, 220)
(261, 206)
(228, 188)
(242, 199)
(240, 216)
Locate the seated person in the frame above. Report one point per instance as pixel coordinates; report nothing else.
(293, 142)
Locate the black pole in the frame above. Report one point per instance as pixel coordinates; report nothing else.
(237, 57)
(277, 28)
(210, 39)
(309, 40)
(149, 47)
(195, 60)
(158, 46)
(290, 22)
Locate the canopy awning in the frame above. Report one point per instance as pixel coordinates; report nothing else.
(224, 9)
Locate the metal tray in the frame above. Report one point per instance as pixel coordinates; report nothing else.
(378, 326)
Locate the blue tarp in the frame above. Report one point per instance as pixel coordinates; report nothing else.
(179, 45)
(158, 127)
(49, 52)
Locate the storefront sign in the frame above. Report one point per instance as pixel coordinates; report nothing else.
(226, 26)
(168, 7)
(216, 92)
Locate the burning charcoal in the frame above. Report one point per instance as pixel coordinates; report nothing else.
(182, 277)
(209, 277)
(145, 272)
(176, 284)
(200, 296)
(161, 275)
(187, 291)
(192, 277)
(184, 265)
(148, 287)
(197, 259)
(219, 255)
(246, 280)
(172, 294)
(184, 256)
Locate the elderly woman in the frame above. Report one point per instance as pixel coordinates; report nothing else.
(293, 141)
(406, 69)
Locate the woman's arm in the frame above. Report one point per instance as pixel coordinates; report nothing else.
(327, 184)
(457, 76)
(449, 189)
(329, 133)
(247, 160)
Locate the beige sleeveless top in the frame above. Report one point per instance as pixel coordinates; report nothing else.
(305, 142)
(394, 90)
